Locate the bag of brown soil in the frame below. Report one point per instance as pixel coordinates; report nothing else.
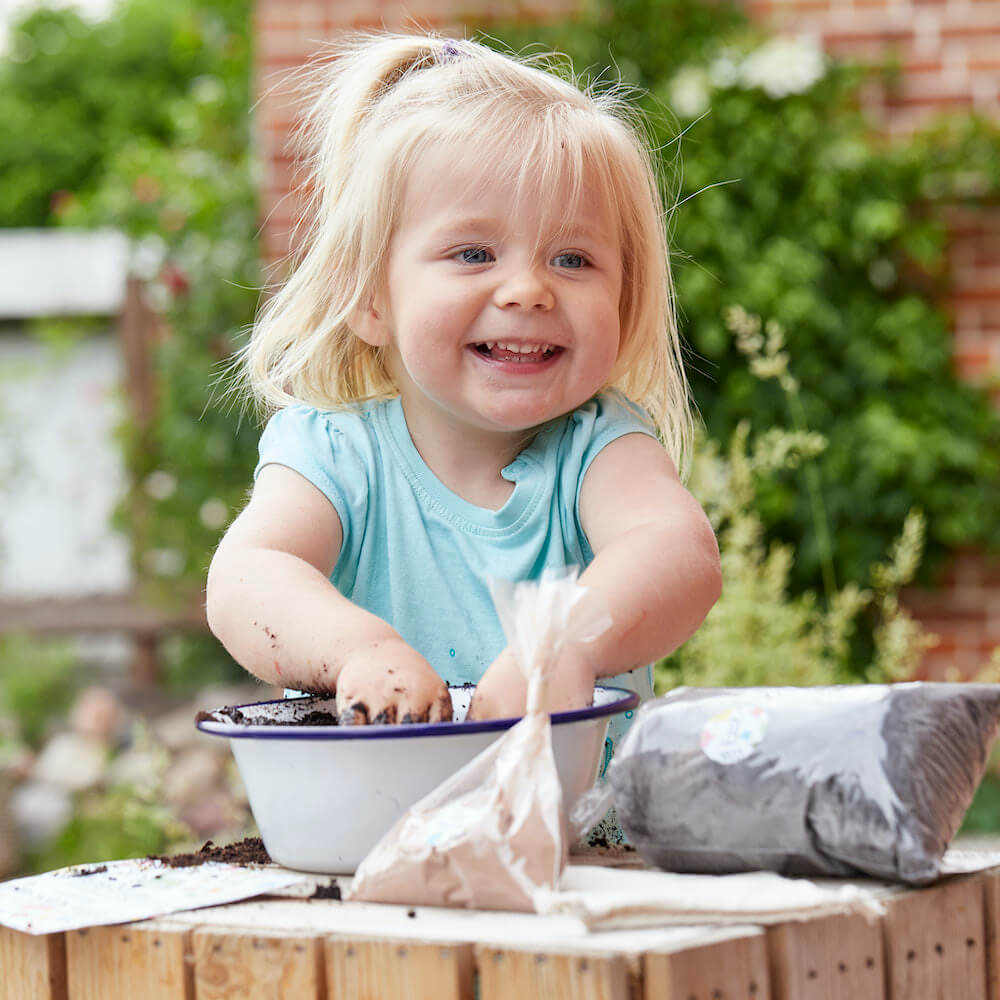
(866, 779)
(495, 831)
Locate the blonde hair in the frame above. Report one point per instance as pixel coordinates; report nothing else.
(374, 108)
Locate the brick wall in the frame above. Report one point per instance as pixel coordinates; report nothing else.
(948, 52)
(949, 55)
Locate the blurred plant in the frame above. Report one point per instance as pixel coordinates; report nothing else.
(38, 682)
(142, 122)
(121, 822)
(759, 632)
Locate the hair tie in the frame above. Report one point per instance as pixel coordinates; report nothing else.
(450, 51)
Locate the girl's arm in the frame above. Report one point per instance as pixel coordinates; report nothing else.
(271, 604)
(656, 564)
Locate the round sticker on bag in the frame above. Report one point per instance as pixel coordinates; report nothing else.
(732, 735)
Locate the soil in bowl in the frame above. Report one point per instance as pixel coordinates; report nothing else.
(231, 713)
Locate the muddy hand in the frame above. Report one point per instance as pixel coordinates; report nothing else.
(388, 681)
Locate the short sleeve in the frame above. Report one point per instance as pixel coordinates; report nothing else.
(606, 418)
(592, 427)
(330, 450)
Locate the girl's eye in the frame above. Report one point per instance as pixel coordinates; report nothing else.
(474, 255)
(574, 260)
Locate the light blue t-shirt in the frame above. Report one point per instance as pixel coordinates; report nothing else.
(417, 555)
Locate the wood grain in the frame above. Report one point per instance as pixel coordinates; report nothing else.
(734, 969)
(834, 958)
(230, 966)
(125, 962)
(402, 970)
(935, 942)
(525, 975)
(32, 966)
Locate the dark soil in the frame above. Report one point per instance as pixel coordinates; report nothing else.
(92, 870)
(233, 714)
(249, 851)
(329, 891)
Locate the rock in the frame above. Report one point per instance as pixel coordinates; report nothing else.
(192, 776)
(40, 810)
(97, 714)
(176, 729)
(210, 814)
(141, 767)
(71, 761)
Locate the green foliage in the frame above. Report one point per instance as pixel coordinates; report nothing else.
(984, 812)
(38, 682)
(121, 823)
(153, 138)
(791, 207)
(761, 634)
(72, 91)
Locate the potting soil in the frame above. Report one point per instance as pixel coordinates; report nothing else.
(863, 779)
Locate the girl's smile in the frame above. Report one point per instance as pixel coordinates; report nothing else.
(500, 304)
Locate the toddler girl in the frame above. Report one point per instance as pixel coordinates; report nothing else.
(472, 366)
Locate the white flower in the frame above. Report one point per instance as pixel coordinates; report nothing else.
(160, 485)
(213, 513)
(725, 69)
(207, 89)
(882, 273)
(783, 66)
(689, 92)
(148, 255)
(164, 562)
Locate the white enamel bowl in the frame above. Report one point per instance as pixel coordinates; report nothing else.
(323, 796)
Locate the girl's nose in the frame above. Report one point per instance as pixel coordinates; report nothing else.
(525, 287)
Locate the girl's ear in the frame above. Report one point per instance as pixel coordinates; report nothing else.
(370, 325)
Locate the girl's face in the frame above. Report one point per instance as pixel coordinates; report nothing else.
(491, 326)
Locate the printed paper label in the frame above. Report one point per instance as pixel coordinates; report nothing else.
(732, 735)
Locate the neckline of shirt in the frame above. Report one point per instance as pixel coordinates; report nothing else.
(516, 511)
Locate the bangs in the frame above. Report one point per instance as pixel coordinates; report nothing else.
(558, 157)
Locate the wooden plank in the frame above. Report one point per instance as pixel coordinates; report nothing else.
(96, 613)
(359, 969)
(125, 962)
(833, 958)
(533, 975)
(991, 912)
(726, 969)
(935, 942)
(265, 966)
(32, 966)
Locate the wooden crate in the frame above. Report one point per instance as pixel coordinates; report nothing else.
(938, 943)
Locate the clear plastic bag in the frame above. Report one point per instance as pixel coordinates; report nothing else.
(871, 779)
(495, 832)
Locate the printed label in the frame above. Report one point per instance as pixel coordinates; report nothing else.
(732, 735)
(449, 824)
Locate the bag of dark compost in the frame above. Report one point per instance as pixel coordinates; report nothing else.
(865, 779)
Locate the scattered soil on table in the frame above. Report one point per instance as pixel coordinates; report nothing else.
(317, 717)
(92, 870)
(329, 891)
(249, 851)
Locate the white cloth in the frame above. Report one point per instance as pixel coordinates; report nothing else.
(608, 898)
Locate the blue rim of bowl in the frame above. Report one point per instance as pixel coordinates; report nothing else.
(234, 730)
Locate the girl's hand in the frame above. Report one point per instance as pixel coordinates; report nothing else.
(387, 681)
(502, 691)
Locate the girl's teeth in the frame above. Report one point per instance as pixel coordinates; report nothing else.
(489, 345)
